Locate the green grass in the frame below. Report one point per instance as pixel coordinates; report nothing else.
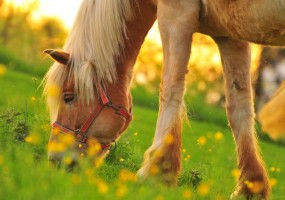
(25, 174)
(12, 62)
(17, 90)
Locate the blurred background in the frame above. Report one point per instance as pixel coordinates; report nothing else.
(27, 27)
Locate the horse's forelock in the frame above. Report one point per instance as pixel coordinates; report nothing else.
(98, 36)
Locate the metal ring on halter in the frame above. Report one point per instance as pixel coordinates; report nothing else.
(113, 146)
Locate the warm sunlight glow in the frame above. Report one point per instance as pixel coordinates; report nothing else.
(62, 9)
(17, 2)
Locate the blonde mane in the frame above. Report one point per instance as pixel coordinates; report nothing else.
(95, 45)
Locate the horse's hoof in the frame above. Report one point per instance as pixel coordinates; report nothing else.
(256, 190)
(236, 194)
(141, 175)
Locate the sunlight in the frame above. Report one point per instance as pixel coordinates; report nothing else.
(65, 10)
(16, 2)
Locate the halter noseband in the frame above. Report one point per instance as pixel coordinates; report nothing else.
(81, 134)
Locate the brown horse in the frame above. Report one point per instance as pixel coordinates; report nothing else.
(97, 70)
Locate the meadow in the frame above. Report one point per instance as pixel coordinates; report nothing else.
(208, 152)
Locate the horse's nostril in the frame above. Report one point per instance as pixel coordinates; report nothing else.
(55, 159)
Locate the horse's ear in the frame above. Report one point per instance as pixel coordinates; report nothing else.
(59, 56)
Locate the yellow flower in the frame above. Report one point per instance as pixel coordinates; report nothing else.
(248, 184)
(153, 170)
(187, 194)
(67, 139)
(53, 91)
(55, 131)
(126, 176)
(67, 160)
(2, 69)
(184, 150)
(121, 191)
(136, 134)
(236, 173)
(272, 169)
(168, 139)
(33, 139)
(203, 189)
(102, 187)
(272, 182)
(33, 98)
(158, 153)
(219, 136)
(56, 147)
(202, 140)
(255, 187)
(99, 161)
(94, 149)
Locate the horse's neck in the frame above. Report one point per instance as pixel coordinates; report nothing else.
(137, 29)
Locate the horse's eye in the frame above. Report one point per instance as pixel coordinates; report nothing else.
(68, 97)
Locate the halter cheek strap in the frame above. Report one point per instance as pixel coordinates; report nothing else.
(81, 134)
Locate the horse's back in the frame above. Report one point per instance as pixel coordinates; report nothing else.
(259, 21)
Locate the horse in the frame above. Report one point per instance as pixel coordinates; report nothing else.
(88, 87)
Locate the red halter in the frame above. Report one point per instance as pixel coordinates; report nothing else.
(81, 134)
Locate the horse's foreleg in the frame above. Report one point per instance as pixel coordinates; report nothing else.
(236, 58)
(176, 20)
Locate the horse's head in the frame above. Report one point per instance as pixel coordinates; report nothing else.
(88, 88)
(88, 116)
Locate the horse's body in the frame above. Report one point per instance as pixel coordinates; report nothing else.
(258, 21)
(103, 47)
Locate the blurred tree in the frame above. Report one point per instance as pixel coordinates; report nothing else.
(271, 73)
(21, 34)
(13, 16)
(52, 33)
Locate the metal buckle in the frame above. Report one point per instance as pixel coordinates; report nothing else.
(83, 137)
(115, 108)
